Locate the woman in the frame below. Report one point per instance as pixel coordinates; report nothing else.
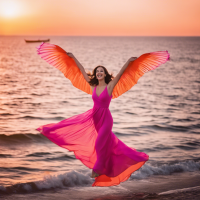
(89, 135)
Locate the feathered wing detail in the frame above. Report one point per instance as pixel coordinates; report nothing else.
(137, 68)
(58, 58)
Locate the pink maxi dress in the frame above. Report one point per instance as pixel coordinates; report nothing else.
(89, 135)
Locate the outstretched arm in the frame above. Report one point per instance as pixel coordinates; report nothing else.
(79, 66)
(70, 67)
(129, 75)
(112, 83)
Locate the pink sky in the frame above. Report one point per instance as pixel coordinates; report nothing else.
(100, 17)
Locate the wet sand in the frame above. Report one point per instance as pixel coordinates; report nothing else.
(190, 194)
(174, 187)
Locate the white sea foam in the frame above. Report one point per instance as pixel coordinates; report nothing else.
(77, 179)
(2, 188)
(27, 187)
(180, 190)
(166, 169)
(69, 179)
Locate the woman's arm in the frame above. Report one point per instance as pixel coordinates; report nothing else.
(112, 83)
(79, 66)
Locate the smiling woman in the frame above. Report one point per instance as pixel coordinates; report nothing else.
(10, 8)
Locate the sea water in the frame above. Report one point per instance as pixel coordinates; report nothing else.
(160, 115)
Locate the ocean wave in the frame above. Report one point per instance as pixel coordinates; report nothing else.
(41, 118)
(5, 114)
(186, 145)
(31, 117)
(166, 169)
(74, 178)
(65, 157)
(20, 169)
(69, 179)
(189, 59)
(38, 154)
(22, 138)
(126, 134)
(5, 155)
(44, 156)
(190, 189)
(173, 127)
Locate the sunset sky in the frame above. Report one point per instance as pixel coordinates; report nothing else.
(100, 17)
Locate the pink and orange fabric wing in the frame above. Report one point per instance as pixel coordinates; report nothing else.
(58, 58)
(137, 68)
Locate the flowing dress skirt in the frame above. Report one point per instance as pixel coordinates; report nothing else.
(89, 135)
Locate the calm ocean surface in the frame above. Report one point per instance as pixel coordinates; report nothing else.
(160, 115)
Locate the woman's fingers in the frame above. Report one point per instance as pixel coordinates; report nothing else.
(132, 58)
(70, 54)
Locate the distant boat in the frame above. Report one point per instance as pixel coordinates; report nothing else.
(47, 40)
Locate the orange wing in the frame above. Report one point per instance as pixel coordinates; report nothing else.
(58, 57)
(137, 68)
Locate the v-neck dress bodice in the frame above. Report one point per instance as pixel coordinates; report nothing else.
(89, 135)
(103, 100)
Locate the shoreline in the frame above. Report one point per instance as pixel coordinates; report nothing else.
(192, 193)
(176, 186)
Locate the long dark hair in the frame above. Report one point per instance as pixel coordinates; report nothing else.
(93, 79)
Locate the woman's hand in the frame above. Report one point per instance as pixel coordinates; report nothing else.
(79, 66)
(132, 59)
(70, 55)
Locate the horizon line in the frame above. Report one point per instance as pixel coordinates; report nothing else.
(106, 35)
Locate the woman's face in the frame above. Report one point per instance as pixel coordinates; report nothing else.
(100, 73)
